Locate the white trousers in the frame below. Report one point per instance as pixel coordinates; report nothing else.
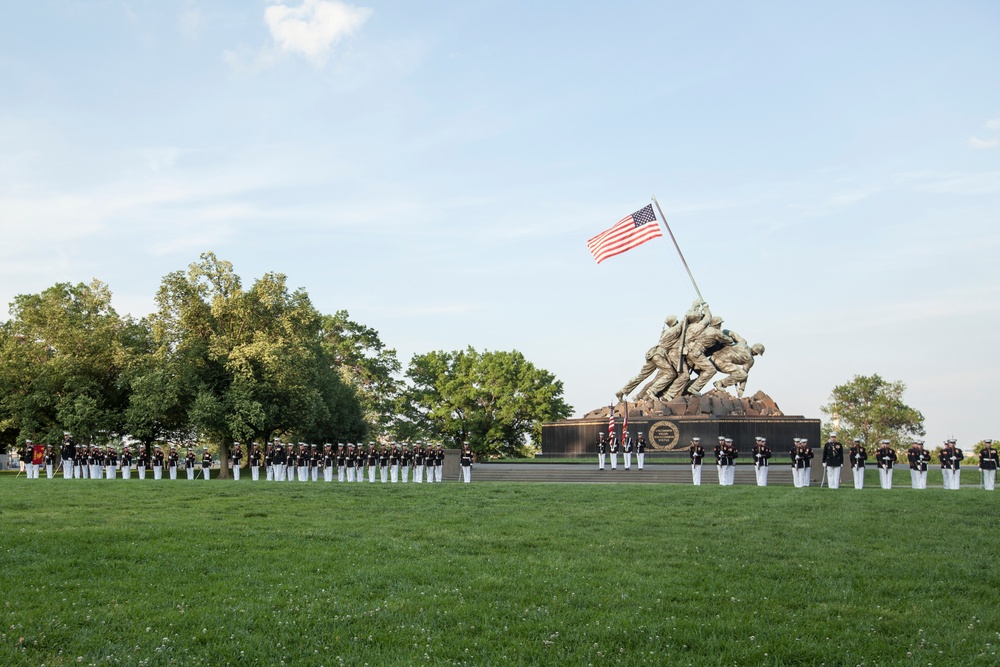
(696, 474)
(255, 473)
(269, 473)
(126, 472)
(110, 472)
(142, 471)
(946, 474)
(761, 474)
(885, 477)
(315, 473)
(628, 460)
(956, 479)
(731, 474)
(206, 474)
(859, 477)
(50, 470)
(806, 476)
(95, 471)
(723, 475)
(236, 472)
(383, 473)
(439, 473)
(67, 466)
(600, 461)
(341, 473)
(614, 461)
(157, 472)
(418, 474)
(190, 472)
(350, 473)
(173, 472)
(371, 474)
(989, 479)
(404, 474)
(921, 479)
(303, 474)
(640, 459)
(466, 474)
(394, 473)
(833, 476)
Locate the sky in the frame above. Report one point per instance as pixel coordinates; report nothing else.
(831, 171)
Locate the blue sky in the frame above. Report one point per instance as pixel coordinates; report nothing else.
(831, 171)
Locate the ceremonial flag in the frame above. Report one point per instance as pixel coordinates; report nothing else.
(625, 422)
(38, 454)
(629, 232)
(611, 422)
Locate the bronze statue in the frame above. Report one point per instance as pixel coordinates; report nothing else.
(697, 345)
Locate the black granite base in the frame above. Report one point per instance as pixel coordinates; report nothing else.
(671, 436)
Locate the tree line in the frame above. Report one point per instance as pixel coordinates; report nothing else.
(218, 362)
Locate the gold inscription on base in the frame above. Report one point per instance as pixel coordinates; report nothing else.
(664, 436)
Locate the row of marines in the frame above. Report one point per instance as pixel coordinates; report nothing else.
(281, 462)
(801, 454)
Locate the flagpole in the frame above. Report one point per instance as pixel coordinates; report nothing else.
(683, 261)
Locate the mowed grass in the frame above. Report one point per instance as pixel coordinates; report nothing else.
(222, 572)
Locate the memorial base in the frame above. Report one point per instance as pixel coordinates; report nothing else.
(669, 427)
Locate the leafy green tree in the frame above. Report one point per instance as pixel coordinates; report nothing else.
(250, 363)
(365, 363)
(493, 400)
(62, 356)
(872, 408)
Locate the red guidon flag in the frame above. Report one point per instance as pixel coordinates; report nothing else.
(625, 422)
(38, 454)
(629, 232)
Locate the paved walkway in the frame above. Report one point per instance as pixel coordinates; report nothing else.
(653, 473)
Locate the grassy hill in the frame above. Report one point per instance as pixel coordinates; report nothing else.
(215, 573)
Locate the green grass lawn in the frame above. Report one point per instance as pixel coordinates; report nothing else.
(215, 573)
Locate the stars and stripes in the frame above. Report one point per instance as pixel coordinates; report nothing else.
(629, 232)
(611, 422)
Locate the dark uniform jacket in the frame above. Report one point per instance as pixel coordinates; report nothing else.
(885, 457)
(951, 457)
(697, 453)
(858, 455)
(761, 454)
(833, 454)
(988, 459)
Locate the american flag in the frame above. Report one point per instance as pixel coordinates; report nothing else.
(629, 232)
(611, 422)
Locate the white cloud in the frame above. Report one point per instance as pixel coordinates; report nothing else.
(190, 21)
(993, 124)
(312, 28)
(983, 144)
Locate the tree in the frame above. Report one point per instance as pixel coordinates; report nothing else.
(872, 408)
(248, 364)
(62, 356)
(493, 400)
(365, 363)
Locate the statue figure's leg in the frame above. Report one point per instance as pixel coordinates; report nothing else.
(666, 374)
(736, 374)
(646, 370)
(706, 370)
